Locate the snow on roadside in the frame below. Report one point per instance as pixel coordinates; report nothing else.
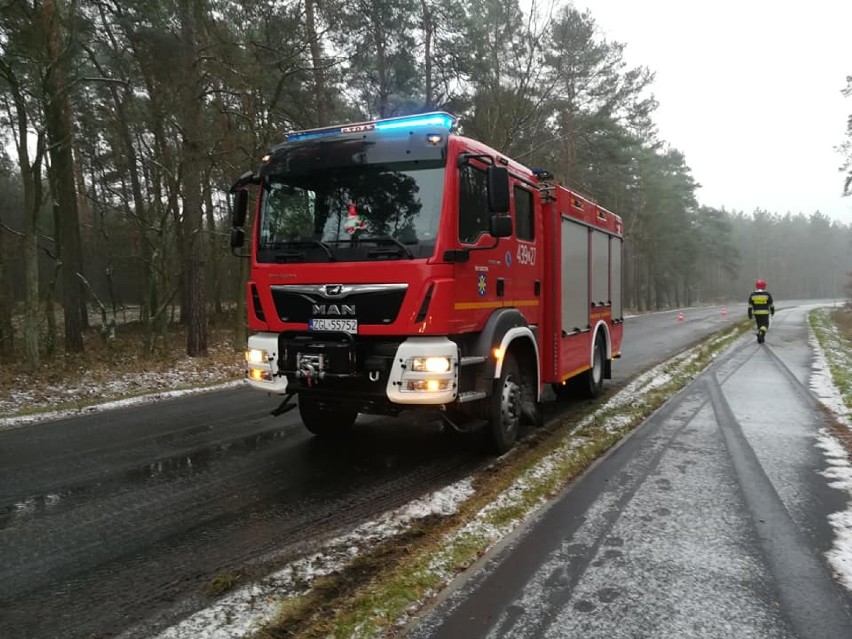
(839, 474)
(839, 471)
(821, 382)
(247, 609)
(7, 423)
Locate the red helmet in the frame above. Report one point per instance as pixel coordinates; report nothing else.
(760, 285)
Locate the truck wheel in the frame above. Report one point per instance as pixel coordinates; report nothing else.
(505, 408)
(592, 383)
(325, 420)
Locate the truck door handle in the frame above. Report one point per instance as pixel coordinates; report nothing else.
(500, 286)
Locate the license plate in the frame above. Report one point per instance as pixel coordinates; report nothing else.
(339, 325)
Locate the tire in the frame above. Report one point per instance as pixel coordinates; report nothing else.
(591, 385)
(505, 407)
(325, 420)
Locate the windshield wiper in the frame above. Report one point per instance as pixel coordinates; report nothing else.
(389, 239)
(310, 242)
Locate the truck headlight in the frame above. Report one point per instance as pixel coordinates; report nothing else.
(256, 356)
(430, 364)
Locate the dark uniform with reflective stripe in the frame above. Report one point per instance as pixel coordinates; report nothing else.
(761, 306)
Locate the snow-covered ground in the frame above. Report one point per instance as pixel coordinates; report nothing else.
(146, 398)
(93, 393)
(839, 472)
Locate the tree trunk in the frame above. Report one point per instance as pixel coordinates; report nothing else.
(214, 247)
(379, 40)
(193, 159)
(7, 301)
(428, 33)
(316, 63)
(84, 222)
(57, 107)
(50, 312)
(232, 160)
(32, 205)
(31, 181)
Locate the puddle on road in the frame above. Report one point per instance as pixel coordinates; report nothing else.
(187, 464)
(165, 469)
(30, 507)
(381, 448)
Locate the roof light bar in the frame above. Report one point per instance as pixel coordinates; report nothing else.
(437, 119)
(443, 120)
(315, 133)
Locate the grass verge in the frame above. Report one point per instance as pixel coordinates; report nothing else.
(833, 330)
(376, 594)
(225, 582)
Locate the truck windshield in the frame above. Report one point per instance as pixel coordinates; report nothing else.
(352, 214)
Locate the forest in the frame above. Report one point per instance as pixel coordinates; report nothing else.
(124, 124)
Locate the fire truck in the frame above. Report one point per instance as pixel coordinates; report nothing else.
(399, 266)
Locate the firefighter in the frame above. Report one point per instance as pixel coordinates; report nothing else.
(761, 306)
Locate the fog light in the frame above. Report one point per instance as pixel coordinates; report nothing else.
(428, 385)
(256, 356)
(259, 374)
(430, 364)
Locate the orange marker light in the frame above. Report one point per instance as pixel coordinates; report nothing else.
(258, 374)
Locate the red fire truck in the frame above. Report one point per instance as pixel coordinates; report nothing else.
(398, 266)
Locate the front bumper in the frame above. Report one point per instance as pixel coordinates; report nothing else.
(348, 369)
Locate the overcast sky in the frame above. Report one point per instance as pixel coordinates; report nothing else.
(749, 91)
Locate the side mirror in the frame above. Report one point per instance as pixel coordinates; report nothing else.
(498, 189)
(500, 226)
(238, 238)
(244, 180)
(238, 215)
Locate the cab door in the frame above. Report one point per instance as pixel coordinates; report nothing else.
(481, 281)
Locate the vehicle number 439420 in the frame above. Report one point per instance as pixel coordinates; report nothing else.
(525, 254)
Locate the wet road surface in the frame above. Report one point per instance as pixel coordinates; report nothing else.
(118, 520)
(709, 521)
(112, 532)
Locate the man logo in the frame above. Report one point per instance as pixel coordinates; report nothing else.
(334, 309)
(333, 290)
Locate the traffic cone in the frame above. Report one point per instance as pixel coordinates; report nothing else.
(724, 311)
(680, 316)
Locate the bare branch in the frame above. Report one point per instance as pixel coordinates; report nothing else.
(105, 80)
(9, 229)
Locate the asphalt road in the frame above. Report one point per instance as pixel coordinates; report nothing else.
(115, 522)
(709, 521)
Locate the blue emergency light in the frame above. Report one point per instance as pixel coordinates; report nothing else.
(307, 135)
(437, 119)
(443, 120)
